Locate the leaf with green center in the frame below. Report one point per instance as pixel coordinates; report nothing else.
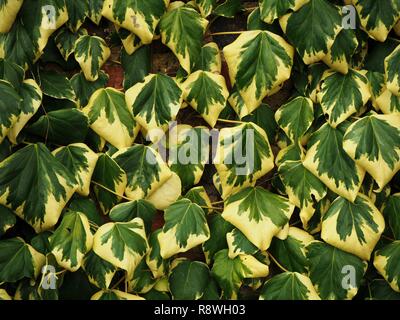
(327, 160)
(273, 9)
(53, 126)
(123, 244)
(114, 295)
(84, 89)
(139, 17)
(182, 30)
(378, 17)
(18, 260)
(130, 41)
(386, 261)
(238, 244)
(99, 271)
(77, 12)
(146, 171)
(392, 73)
(142, 280)
(330, 269)
(57, 86)
(155, 101)
(8, 13)
(315, 74)
(320, 20)
(259, 62)
(80, 160)
(71, 240)
(140, 61)
(376, 81)
(12, 73)
(36, 186)
(353, 227)
(293, 152)
(243, 155)
(289, 286)
(264, 117)
(95, 8)
(206, 6)
(291, 252)
(209, 59)
(381, 290)
(302, 187)
(296, 117)
(228, 8)
(230, 273)
(387, 102)
(259, 214)
(188, 279)
(199, 196)
(7, 219)
(110, 118)
(343, 95)
(109, 174)
(207, 93)
(154, 260)
(374, 143)
(10, 108)
(391, 212)
(185, 228)
(91, 52)
(88, 207)
(125, 212)
(65, 41)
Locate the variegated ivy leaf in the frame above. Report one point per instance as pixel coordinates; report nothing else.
(65, 41)
(10, 108)
(11, 72)
(206, 6)
(146, 171)
(7, 219)
(18, 260)
(84, 89)
(99, 271)
(71, 240)
(320, 20)
(32, 99)
(199, 196)
(209, 59)
(110, 118)
(293, 152)
(243, 155)
(392, 73)
(80, 160)
(109, 174)
(376, 81)
(77, 12)
(238, 244)
(328, 268)
(289, 286)
(35, 185)
(374, 143)
(154, 260)
(228, 8)
(91, 52)
(378, 17)
(353, 227)
(130, 41)
(259, 62)
(343, 95)
(95, 8)
(291, 252)
(386, 261)
(56, 85)
(207, 93)
(259, 214)
(230, 273)
(167, 193)
(391, 212)
(123, 244)
(155, 101)
(142, 280)
(185, 228)
(114, 295)
(327, 160)
(387, 102)
(8, 13)
(273, 9)
(296, 117)
(237, 103)
(182, 29)
(139, 17)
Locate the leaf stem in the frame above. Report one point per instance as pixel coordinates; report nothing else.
(231, 121)
(277, 263)
(227, 33)
(118, 282)
(212, 208)
(112, 191)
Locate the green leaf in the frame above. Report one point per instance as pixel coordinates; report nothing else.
(259, 62)
(123, 244)
(391, 212)
(7, 219)
(259, 214)
(99, 271)
(12, 73)
(228, 8)
(154, 260)
(71, 240)
(380, 290)
(374, 143)
(185, 228)
(188, 279)
(65, 41)
(84, 88)
(264, 117)
(386, 261)
(182, 30)
(35, 185)
(57, 86)
(353, 227)
(18, 260)
(273, 9)
(289, 286)
(392, 75)
(238, 244)
(10, 108)
(95, 8)
(88, 207)
(136, 66)
(209, 59)
(77, 12)
(142, 280)
(336, 275)
(110, 118)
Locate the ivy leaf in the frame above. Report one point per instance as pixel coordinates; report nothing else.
(238, 244)
(228, 8)
(123, 244)
(8, 14)
(386, 261)
(259, 62)
(206, 6)
(209, 59)
(374, 143)
(142, 280)
(273, 9)
(99, 271)
(182, 30)
(327, 160)
(259, 214)
(35, 185)
(167, 193)
(91, 52)
(264, 117)
(391, 212)
(88, 207)
(84, 89)
(353, 227)
(392, 75)
(140, 62)
(7, 219)
(289, 286)
(10, 108)
(18, 260)
(328, 269)
(57, 86)
(185, 228)
(12, 73)
(387, 102)
(71, 240)
(95, 8)
(110, 118)
(77, 12)
(65, 41)
(157, 265)
(380, 290)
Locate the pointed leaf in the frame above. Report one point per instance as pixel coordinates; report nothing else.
(391, 212)
(272, 9)
(84, 89)
(392, 73)
(10, 108)
(238, 244)
(386, 261)
(99, 271)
